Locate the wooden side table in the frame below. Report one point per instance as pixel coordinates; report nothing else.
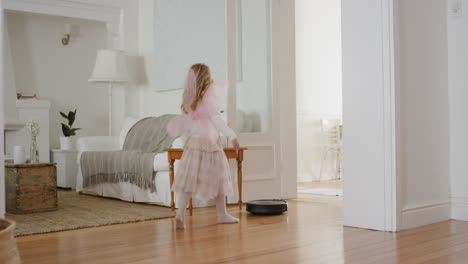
(67, 167)
(30, 187)
(176, 154)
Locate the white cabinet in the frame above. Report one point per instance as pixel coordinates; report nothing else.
(67, 167)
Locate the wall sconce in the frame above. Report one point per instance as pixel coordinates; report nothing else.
(69, 31)
(66, 38)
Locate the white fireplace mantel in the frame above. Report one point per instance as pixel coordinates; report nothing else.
(13, 124)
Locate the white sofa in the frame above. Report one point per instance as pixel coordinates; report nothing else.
(124, 190)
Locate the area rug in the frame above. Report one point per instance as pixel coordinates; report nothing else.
(321, 191)
(80, 211)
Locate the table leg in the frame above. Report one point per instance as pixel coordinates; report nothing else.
(239, 182)
(171, 180)
(191, 207)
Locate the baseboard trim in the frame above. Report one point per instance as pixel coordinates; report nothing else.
(425, 214)
(460, 208)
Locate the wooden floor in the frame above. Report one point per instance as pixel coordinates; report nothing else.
(335, 184)
(311, 232)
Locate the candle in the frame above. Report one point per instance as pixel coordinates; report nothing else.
(19, 154)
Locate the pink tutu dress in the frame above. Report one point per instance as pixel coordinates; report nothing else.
(203, 169)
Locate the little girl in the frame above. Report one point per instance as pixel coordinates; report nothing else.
(204, 170)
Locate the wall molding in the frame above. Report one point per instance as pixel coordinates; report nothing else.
(390, 83)
(68, 8)
(424, 214)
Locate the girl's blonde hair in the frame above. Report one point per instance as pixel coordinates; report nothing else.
(203, 82)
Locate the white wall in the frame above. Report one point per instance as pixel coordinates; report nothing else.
(153, 103)
(423, 119)
(188, 32)
(458, 82)
(318, 81)
(9, 105)
(59, 73)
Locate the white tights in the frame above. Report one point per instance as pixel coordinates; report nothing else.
(223, 216)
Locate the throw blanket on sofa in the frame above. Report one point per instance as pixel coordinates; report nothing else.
(133, 164)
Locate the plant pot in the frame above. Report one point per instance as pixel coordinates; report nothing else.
(8, 250)
(67, 143)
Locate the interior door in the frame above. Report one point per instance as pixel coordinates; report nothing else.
(257, 107)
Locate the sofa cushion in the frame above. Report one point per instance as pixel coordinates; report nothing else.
(160, 162)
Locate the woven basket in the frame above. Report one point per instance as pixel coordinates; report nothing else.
(8, 251)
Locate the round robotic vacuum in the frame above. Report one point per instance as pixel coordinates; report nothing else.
(267, 207)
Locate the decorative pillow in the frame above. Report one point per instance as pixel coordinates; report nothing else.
(127, 125)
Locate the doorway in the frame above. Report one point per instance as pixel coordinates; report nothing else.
(319, 97)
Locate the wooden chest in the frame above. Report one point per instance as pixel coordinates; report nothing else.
(30, 187)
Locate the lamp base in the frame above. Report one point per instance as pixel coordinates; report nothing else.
(110, 108)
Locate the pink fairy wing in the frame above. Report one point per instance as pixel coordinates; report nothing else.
(179, 125)
(212, 101)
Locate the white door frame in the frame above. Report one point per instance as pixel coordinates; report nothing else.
(371, 184)
(392, 204)
(286, 71)
(2, 118)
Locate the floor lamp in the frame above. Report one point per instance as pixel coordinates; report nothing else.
(110, 68)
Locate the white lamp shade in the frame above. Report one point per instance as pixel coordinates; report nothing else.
(111, 66)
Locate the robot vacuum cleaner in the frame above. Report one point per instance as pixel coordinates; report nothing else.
(267, 207)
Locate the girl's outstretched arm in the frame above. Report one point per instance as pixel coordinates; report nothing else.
(221, 126)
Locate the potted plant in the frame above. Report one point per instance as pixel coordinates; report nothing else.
(67, 142)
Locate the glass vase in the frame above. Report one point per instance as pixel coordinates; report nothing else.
(34, 151)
